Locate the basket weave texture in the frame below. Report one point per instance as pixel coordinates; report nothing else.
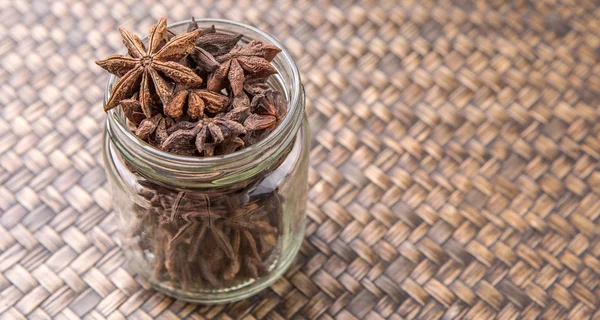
(454, 163)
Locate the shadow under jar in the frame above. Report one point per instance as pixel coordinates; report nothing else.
(213, 229)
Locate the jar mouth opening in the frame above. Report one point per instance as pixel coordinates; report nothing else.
(116, 121)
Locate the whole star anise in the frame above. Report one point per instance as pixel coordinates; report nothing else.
(182, 141)
(268, 109)
(199, 59)
(217, 43)
(254, 59)
(217, 130)
(248, 223)
(255, 86)
(148, 126)
(252, 87)
(204, 136)
(180, 78)
(133, 110)
(197, 102)
(145, 68)
(211, 44)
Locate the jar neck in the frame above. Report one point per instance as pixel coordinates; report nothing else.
(242, 165)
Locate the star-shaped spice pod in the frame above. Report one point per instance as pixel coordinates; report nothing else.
(255, 59)
(145, 69)
(217, 130)
(248, 225)
(148, 126)
(252, 87)
(197, 101)
(133, 110)
(204, 136)
(212, 42)
(268, 109)
(219, 237)
(199, 93)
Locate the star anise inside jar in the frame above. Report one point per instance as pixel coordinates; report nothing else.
(201, 93)
(203, 76)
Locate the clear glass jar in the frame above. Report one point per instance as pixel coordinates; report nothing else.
(213, 229)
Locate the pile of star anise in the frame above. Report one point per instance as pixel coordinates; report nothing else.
(200, 93)
(208, 240)
(197, 93)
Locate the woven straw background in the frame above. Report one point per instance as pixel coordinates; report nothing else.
(454, 160)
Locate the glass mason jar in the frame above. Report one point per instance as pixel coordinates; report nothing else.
(213, 229)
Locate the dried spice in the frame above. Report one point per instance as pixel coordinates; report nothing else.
(253, 59)
(181, 141)
(196, 102)
(200, 76)
(133, 110)
(201, 93)
(217, 43)
(268, 109)
(147, 127)
(146, 68)
(205, 239)
(219, 132)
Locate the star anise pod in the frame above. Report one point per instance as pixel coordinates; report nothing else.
(182, 141)
(205, 135)
(145, 68)
(238, 114)
(148, 126)
(215, 131)
(255, 86)
(240, 100)
(161, 134)
(210, 45)
(268, 109)
(133, 110)
(181, 125)
(197, 101)
(254, 59)
(193, 25)
(217, 43)
(252, 87)
(231, 146)
(249, 224)
(204, 61)
(199, 59)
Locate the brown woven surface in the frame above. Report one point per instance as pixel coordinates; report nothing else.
(454, 161)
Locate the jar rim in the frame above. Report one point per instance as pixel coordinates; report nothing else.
(146, 153)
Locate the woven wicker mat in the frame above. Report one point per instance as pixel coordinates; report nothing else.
(454, 160)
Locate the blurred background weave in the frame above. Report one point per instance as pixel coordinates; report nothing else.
(454, 160)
